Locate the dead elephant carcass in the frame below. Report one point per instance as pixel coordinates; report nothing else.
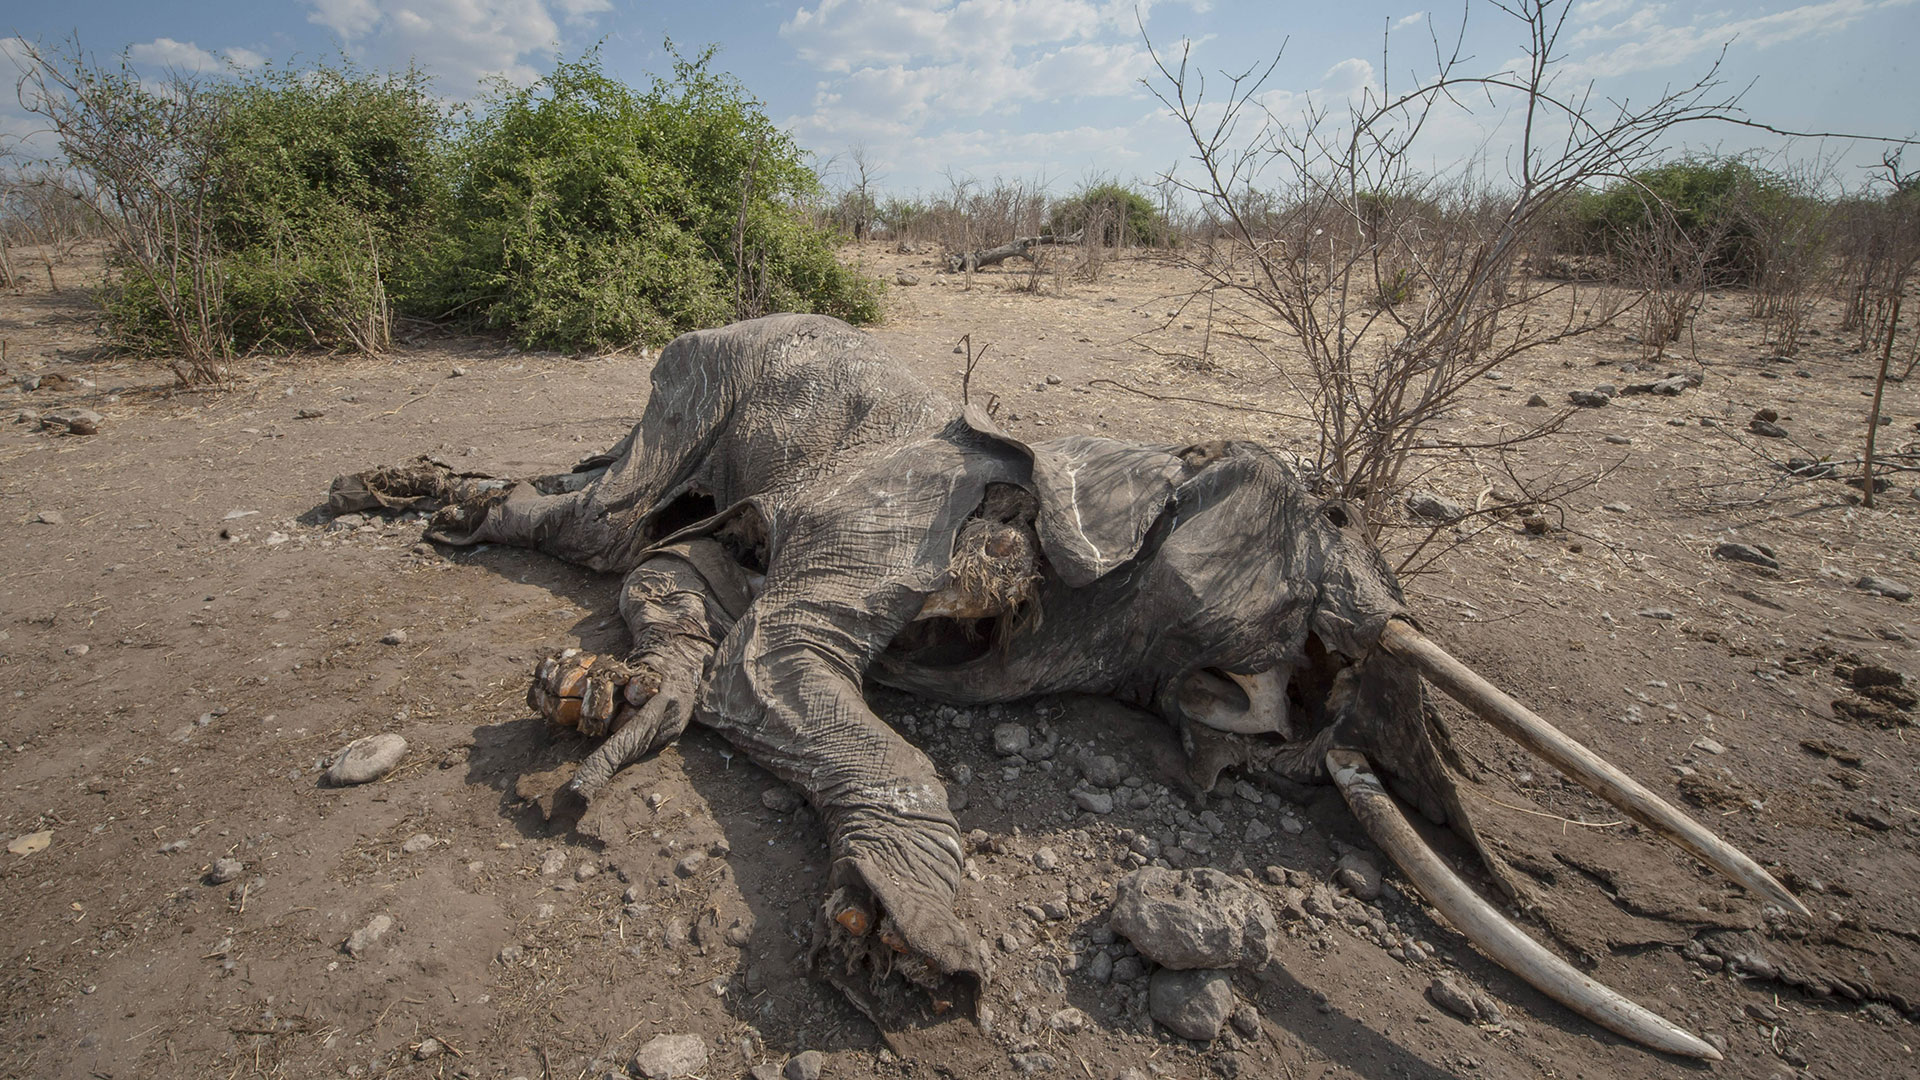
(794, 513)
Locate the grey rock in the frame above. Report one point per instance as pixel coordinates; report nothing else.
(395, 636)
(780, 799)
(1358, 875)
(1045, 859)
(1094, 802)
(1100, 968)
(805, 1065)
(1537, 401)
(1758, 555)
(1194, 918)
(1011, 739)
(1103, 770)
(665, 1056)
(1246, 1019)
(1069, 1020)
(225, 870)
(1428, 504)
(1620, 440)
(72, 421)
(511, 955)
(366, 759)
(585, 872)
(690, 864)
(1887, 587)
(904, 278)
(1812, 468)
(428, 1049)
(1033, 1061)
(766, 1070)
(1608, 389)
(1588, 399)
(49, 517)
(1463, 1000)
(1660, 613)
(1191, 1004)
(362, 941)
(553, 862)
(417, 843)
(1766, 429)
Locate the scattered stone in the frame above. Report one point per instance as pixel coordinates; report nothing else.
(1708, 746)
(1100, 968)
(1618, 508)
(667, 1056)
(1246, 1019)
(1465, 1001)
(429, 1048)
(364, 939)
(766, 1070)
(457, 373)
(1428, 504)
(48, 517)
(805, 1065)
(72, 421)
(1660, 613)
(1191, 1004)
(1069, 1020)
(1094, 802)
(309, 414)
(1193, 918)
(904, 278)
(511, 955)
(1588, 399)
(1766, 429)
(1034, 1061)
(1766, 416)
(1103, 770)
(1620, 440)
(1011, 739)
(418, 843)
(585, 872)
(552, 863)
(1358, 875)
(1045, 859)
(1757, 554)
(30, 843)
(366, 759)
(1537, 401)
(1536, 525)
(81, 649)
(224, 870)
(780, 799)
(1887, 587)
(394, 637)
(690, 863)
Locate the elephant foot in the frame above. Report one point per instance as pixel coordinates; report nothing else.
(589, 692)
(422, 484)
(901, 963)
(640, 705)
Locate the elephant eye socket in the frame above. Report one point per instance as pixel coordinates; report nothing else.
(1337, 515)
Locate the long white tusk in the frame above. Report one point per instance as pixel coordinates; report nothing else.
(1598, 775)
(1490, 931)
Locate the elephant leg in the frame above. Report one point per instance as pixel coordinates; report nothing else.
(678, 603)
(785, 689)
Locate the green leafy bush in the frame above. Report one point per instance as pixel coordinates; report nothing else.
(319, 185)
(1718, 207)
(586, 214)
(1110, 204)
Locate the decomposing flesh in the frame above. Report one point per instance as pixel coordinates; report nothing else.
(795, 513)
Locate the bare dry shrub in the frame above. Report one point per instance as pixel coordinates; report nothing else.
(1398, 288)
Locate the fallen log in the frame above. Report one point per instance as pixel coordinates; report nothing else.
(1021, 246)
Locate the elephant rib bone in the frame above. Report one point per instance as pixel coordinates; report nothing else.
(1595, 773)
(1490, 931)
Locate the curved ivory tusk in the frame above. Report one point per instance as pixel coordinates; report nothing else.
(1266, 711)
(1490, 931)
(1598, 775)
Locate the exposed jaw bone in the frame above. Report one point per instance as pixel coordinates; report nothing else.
(1598, 775)
(1266, 709)
(1490, 931)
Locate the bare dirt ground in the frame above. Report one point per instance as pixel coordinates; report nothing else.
(186, 637)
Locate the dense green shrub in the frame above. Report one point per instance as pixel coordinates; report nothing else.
(587, 213)
(1718, 207)
(1111, 204)
(317, 186)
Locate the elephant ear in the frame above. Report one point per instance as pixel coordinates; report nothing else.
(1098, 497)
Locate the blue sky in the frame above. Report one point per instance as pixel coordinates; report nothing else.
(1035, 89)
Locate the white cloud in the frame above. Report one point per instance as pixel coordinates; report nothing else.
(181, 56)
(1415, 19)
(1646, 40)
(463, 42)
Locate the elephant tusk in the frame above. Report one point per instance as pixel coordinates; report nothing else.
(1490, 931)
(1266, 711)
(1594, 772)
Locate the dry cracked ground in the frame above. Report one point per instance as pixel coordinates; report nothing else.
(187, 640)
